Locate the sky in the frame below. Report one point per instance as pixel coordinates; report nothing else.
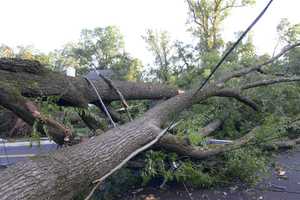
(49, 24)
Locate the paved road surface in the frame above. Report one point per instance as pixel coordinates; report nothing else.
(275, 187)
(12, 152)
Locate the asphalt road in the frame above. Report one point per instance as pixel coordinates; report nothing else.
(12, 152)
(273, 187)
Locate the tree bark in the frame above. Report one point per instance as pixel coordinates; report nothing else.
(172, 143)
(211, 127)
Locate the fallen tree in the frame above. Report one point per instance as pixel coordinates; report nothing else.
(68, 171)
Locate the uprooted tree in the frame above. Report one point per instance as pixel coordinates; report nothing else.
(69, 170)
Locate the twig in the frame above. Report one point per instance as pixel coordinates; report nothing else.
(188, 192)
(139, 150)
(194, 13)
(258, 67)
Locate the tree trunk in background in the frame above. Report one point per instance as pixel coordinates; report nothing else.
(31, 79)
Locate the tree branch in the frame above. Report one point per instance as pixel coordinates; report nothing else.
(235, 93)
(29, 112)
(174, 144)
(248, 70)
(211, 127)
(32, 79)
(270, 82)
(194, 13)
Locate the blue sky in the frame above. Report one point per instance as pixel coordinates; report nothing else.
(48, 24)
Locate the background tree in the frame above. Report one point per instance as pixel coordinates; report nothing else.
(206, 18)
(289, 34)
(190, 64)
(160, 46)
(102, 48)
(205, 23)
(24, 52)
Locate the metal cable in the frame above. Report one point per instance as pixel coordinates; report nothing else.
(101, 101)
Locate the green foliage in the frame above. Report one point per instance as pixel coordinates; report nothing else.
(192, 122)
(24, 52)
(288, 32)
(206, 73)
(157, 167)
(247, 164)
(206, 18)
(182, 64)
(159, 45)
(271, 129)
(195, 175)
(167, 166)
(102, 48)
(64, 115)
